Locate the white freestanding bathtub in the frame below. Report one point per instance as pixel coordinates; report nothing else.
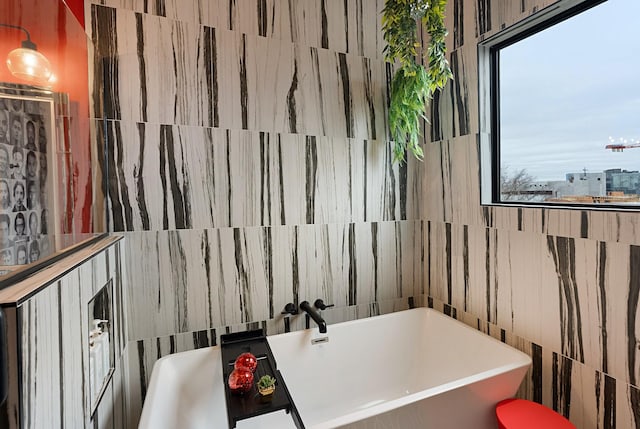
(411, 369)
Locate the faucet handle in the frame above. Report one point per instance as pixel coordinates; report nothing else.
(320, 305)
(290, 308)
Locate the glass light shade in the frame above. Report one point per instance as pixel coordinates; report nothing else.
(30, 65)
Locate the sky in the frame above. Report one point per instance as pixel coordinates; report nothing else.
(566, 91)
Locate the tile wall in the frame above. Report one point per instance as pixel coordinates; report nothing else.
(248, 166)
(565, 281)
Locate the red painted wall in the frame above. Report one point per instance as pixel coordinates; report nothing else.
(77, 7)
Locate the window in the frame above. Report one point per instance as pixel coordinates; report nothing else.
(560, 107)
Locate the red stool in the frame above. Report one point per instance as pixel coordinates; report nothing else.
(521, 414)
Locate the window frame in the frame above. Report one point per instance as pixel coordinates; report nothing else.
(489, 105)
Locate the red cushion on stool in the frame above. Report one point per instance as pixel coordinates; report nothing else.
(521, 414)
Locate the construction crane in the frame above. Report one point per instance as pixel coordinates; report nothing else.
(621, 147)
(622, 144)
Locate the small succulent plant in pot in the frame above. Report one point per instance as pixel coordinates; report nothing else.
(266, 385)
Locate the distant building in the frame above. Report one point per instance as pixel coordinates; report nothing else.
(583, 183)
(614, 186)
(590, 184)
(627, 182)
(575, 184)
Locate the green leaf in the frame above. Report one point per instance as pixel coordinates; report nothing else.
(412, 85)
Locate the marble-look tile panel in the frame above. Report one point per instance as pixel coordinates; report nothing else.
(10, 408)
(602, 225)
(524, 286)
(214, 178)
(569, 223)
(626, 410)
(187, 280)
(353, 26)
(584, 396)
(164, 71)
(610, 226)
(42, 403)
(495, 15)
(103, 417)
(451, 176)
(473, 279)
(589, 282)
(118, 399)
(204, 12)
(578, 297)
(456, 266)
(460, 22)
(74, 358)
(454, 109)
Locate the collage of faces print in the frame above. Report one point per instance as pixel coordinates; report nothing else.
(23, 173)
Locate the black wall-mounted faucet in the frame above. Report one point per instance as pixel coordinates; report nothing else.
(313, 313)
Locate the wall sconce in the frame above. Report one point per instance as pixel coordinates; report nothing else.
(27, 63)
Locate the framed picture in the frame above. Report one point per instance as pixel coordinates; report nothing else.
(26, 190)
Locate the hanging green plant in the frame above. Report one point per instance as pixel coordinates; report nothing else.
(412, 85)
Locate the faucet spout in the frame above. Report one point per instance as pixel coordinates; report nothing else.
(313, 313)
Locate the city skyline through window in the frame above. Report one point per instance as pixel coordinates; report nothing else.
(569, 91)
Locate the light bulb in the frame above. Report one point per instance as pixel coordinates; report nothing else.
(30, 65)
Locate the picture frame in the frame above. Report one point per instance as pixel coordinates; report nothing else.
(27, 164)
